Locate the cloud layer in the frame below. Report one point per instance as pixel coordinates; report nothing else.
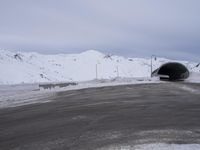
(168, 28)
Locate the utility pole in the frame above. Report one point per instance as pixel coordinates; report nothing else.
(96, 71)
(117, 71)
(152, 63)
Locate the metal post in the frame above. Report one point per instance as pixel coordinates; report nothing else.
(151, 67)
(96, 72)
(152, 64)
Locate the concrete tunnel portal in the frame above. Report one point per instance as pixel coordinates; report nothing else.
(172, 71)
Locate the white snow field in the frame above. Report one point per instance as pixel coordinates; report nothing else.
(194, 77)
(21, 67)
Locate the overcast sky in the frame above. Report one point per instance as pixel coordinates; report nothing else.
(135, 28)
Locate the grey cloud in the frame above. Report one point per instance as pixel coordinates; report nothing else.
(126, 27)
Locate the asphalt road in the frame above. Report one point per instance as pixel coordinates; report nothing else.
(99, 118)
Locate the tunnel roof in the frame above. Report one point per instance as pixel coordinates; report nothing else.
(172, 71)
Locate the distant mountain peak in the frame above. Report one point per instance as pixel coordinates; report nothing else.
(91, 52)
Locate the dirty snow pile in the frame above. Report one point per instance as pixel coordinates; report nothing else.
(18, 95)
(105, 82)
(21, 67)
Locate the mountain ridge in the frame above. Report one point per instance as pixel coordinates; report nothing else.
(32, 67)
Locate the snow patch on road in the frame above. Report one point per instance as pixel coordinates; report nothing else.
(189, 89)
(159, 140)
(159, 146)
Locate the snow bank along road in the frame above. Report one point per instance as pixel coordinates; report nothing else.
(117, 117)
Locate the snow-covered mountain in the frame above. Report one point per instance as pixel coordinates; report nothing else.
(32, 67)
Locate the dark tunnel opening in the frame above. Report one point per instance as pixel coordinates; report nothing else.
(173, 71)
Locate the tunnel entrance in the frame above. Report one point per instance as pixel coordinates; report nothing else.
(172, 71)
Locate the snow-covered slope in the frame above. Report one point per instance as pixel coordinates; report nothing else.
(24, 67)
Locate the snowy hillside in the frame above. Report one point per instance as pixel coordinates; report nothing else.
(33, 67)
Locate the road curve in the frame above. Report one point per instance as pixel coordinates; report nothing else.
(98, 118)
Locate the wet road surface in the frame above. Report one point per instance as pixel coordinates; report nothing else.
(97, 118)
